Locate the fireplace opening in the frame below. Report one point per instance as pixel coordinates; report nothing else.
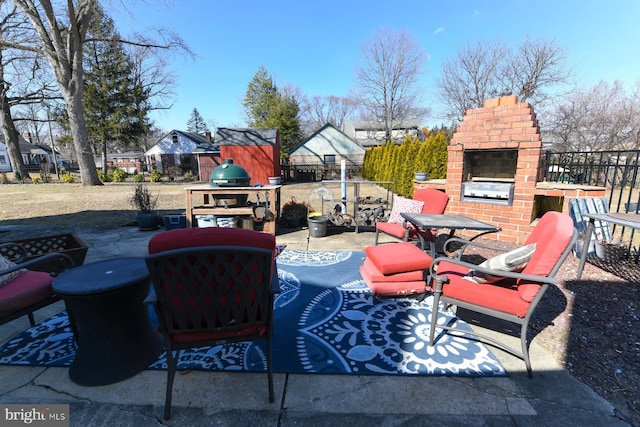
(543, 204)
(490, 165)
(489, 176)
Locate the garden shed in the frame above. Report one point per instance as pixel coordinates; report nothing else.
(257, 150)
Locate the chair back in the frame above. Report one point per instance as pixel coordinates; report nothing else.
(212, 279)
(435, 201)
(555, 237)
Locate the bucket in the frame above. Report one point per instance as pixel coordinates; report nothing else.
(318, 226)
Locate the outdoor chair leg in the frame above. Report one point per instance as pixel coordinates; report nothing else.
(172, 364)
(270, 369)
(525, 349)
(434, 313)
(376, 241)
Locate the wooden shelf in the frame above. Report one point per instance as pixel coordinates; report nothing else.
(200, 200)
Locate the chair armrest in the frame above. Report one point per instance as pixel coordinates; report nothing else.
(20, 248)
(471, 243)
(440, 279)
(67, 261)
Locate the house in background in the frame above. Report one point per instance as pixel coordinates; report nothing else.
(257, 150)
(34, 156)
(320, 155)
(131, 162)
(370, 134)
(183, 150)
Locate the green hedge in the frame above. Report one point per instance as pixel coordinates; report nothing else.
(398, 162)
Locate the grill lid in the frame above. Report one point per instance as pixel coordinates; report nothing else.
(229, 175)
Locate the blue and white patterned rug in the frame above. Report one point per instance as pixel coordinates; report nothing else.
(326, 321)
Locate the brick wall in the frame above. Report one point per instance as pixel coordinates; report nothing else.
(503, 123)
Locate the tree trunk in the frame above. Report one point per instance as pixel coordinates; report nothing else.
(11, 139)
(86, 161)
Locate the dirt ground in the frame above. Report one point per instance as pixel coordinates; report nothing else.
(591, 326)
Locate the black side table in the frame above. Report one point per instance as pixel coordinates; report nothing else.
(111, 323)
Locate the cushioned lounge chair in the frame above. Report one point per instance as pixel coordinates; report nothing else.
(507, 295)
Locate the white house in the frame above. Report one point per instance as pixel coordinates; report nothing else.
(327, 145)
(177, 148)
(372, 134)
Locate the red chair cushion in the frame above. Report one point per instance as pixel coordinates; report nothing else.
(501, 297)
(212, 236)
(395, 289)
(552, 235)
(27, 289)
(435, 201)
(398, 258)
(372, 273)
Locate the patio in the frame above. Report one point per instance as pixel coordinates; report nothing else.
(552, 397)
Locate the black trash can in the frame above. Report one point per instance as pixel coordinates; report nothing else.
(318, 226)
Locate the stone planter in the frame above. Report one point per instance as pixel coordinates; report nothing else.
(421, 176)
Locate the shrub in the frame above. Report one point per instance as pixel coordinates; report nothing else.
(119, 175)
(138, 177)
(68, 178)
(35, 180)
(155, 176)
(188, 176)
(104, 177)
(4, 179)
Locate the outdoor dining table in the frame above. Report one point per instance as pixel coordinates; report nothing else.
(630, 220)
(448, 221)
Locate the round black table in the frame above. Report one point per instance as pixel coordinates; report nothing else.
(111, 324)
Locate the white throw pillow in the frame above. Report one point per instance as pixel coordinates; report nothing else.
(402, 204)
(6, 264)
(515, 260)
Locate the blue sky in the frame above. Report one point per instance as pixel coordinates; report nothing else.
(315, 45)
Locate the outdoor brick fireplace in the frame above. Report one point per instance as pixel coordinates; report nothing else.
(495, 167)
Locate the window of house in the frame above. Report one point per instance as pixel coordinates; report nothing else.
(329, 159)
(174, 137)
(3, 160)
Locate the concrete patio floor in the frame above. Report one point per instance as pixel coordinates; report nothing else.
(552, 398)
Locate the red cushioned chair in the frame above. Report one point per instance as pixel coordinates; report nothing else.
(511, 296)
(213, 285)
(26, 291)
(435, 202)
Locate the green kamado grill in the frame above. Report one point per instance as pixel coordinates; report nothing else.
(229, 174)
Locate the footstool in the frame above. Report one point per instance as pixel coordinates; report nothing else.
(396, 269)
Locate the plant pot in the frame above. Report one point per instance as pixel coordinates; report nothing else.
(421, 176)
(275, 180)
(609, 252)
(147, 221)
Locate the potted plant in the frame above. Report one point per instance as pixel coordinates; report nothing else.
(421, 176)
(610, 251)
(145, 203)
(294, 213)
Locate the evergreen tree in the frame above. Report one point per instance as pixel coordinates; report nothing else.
(115, 104)
(196, 123)
(267, 107)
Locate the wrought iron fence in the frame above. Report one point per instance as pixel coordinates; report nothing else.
(617, 171)
(312, 172)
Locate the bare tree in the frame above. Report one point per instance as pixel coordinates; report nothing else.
(536, 67)
(62, 31)
(23, 81)
(603, 117)
(61, 36)
(533, 72)
(329, 109)
(470, 78)
(387, 81)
